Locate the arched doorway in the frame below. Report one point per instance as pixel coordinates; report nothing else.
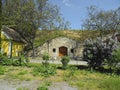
(63, 51)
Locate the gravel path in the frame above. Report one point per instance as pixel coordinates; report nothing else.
(32, 85)
(72, 62)
(13, 85)
(61, 86)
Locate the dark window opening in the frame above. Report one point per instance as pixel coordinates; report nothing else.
(54, 50)
(72, 50)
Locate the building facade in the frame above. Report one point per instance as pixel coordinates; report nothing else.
(11, 42)
(58, 47)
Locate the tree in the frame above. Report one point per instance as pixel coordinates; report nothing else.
(97, 52)
(27, 16)
(0, 21)
(53, 19)
(102, 20)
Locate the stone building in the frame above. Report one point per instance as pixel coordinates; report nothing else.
(59, 47)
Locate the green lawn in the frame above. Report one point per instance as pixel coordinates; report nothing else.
(80, 78)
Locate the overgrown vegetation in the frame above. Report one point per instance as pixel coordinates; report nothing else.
(99, 52)
(65, 60)
(44, 86)
(77, 76)
(19, 61)
(110, 84)
(2, 70)
(45, 69)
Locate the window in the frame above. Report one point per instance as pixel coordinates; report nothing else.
(54, 50)
(72, 50)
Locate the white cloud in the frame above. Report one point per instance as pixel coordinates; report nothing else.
(67, 3)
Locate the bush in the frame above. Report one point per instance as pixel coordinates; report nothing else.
(4, 60)
(44, 71)
(113, 62)
(96, 52)
(20, 61)
(65, 60)
(46, 59)
(44, 86)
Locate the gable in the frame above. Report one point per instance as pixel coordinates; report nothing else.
(11, 34)
(4, 36)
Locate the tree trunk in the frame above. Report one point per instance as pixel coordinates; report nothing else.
(0, 21)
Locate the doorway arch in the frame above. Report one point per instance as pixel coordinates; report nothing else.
(63, 51)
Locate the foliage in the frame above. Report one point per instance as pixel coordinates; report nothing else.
(27, 16)
(65, 60)
(45, 57)
(102, 20)
(44, 71)
(20, 61)
(114, 60)
(96, 52)
(4, 60)
(0, 20)
(44, 86)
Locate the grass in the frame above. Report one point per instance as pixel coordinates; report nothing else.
(43, 36)
(80, 78)
(2, 70)
(112, 83)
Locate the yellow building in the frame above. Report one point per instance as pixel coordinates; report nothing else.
(12, 42)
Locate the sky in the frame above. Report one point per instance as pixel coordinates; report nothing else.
(75, 11)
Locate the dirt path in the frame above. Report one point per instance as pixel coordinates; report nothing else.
(14, 85)
(61, 86)
(32, 85)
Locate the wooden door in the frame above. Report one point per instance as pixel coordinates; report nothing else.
(62, 51)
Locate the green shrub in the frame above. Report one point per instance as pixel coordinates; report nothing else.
(115, 59)
(45, 57)
(96, 52)
(7, 61)
(44, 71)
(21, 61)
(44, 86)
(65, 60)
(72, 71)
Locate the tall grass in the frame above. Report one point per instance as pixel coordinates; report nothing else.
(110, 84)
(2, 70)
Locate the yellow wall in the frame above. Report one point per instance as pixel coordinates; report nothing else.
(5, 46)
(16, 46)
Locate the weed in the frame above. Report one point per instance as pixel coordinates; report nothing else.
(111, 84)
(44, 86)
(2, 70)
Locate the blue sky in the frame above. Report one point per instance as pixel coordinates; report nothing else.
(75, 11)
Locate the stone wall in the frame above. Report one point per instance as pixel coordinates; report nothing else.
(53, 46)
